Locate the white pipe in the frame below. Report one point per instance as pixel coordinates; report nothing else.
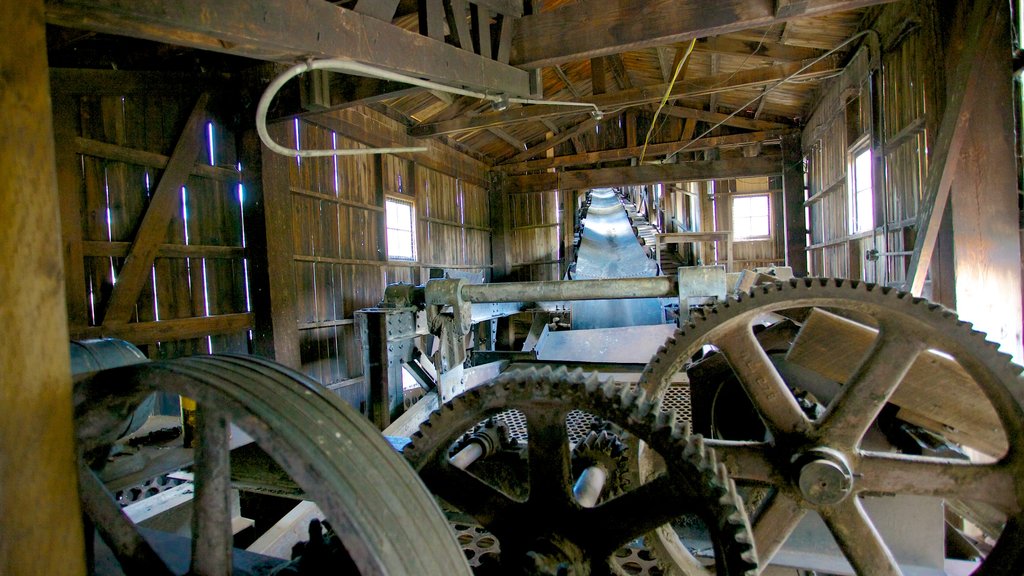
(467, 456)
(350, 67)
(588, 488)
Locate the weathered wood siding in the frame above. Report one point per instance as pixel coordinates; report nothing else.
(113, 150)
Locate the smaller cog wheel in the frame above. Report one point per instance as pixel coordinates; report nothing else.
(606, 450)
(543, 528)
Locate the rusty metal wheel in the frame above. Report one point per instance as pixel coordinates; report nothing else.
(824, 465)
(543, 528)
(385, 518)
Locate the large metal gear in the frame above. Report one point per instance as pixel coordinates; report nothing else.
(386, 520)
(823, 465)
(548, 530)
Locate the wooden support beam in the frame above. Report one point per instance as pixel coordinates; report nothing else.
(383, 10)
(457, 14)
(645, 174)
(576, 94)
(706, 143)
(615, 26)
(555, 140)
(41, 522)
(758, 53)
(509, 139)
(501, 228)
(140, 333)
(619, 71)
(716, 117)
(432, 17)
(666, 62)
(945, 153)
(153, 229)
(503, 43)
(793, 202)
(267, 207)
(275, 30)
(121, 82)
(480, 29)
(984, 199)
(90, 147)
(598, 78)
(755, 77)
(70, 184)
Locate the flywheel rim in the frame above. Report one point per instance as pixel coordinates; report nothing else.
(378, 522)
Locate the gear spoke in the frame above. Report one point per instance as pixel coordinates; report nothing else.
(636, 512)
(745, 460)
(762, 382)
(901, 474)
(858, 539)
(775, 523)
(549, 458)
(863, 397)
(469, 493)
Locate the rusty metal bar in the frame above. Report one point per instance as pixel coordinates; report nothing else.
(211, 516)
(556, 291)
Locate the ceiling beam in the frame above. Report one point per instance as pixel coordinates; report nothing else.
(615, 26)
(653, 150)
(568, 83)
(759, 52)
(509, 139)
(286, 31)
(645, 174)
(755, 77)
(716, 117)
(555, 140)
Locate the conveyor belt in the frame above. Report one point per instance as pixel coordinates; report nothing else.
(608, 249)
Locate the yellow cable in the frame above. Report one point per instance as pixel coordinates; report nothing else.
(664, 99)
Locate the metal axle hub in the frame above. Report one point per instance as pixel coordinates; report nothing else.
(824, 476)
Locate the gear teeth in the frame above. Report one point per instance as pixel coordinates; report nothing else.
(592, 383)
(609, 388)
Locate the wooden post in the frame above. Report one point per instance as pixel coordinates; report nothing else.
(984, 200)
(501, 234)
(40, 523)
(793, 203)
(268, 232)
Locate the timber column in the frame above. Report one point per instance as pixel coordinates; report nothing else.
(793, 202)
(40, 518)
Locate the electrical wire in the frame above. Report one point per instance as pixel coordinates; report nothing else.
(349, 67)
(768, 90)
(668, 92)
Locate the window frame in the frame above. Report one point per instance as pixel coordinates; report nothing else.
(853, 193)
(768, 216)
(412, 229)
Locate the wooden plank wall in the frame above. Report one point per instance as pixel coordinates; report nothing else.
(833, 250)
(340, 263)
(114, 150)
(536, 229)
(841, 118)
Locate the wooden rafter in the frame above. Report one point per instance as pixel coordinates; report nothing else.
(715, 117)
(576, 94)
(756, 52)
(645, 174)
(615, 26)
(380, 9)
(550, 143)
(652, 151)
(274, 30)
(153, 229)
(754, 77)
